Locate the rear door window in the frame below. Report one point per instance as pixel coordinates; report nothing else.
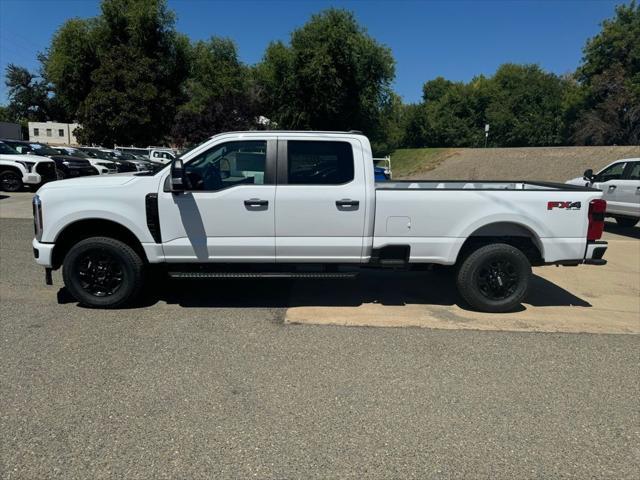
(319, 162)
(633, 171)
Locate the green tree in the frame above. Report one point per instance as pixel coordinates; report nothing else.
(331, 76)
(120, 73)
(609, 110)
(4, 114)
(526, 107)
(70, 60)
(452, 113)
(27, 95)
(219, 91)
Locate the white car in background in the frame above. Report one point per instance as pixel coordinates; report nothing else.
(18, 170)
(620, 185)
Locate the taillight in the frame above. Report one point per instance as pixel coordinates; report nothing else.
(596, 219)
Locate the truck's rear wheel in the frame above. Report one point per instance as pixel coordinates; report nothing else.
(626, 222)
(103, 272)
(494, 278)
(10, 181)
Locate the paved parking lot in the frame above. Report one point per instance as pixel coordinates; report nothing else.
(209, 380)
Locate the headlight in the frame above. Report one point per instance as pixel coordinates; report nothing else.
(27, 165)
(37, 216)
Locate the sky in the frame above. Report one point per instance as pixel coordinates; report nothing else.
(454, 39)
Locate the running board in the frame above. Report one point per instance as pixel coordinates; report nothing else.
(196, 275)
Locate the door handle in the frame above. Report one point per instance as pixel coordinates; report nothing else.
(256, 202)
(612, 187)
(347, 202)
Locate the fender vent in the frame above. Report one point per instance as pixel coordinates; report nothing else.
(153, 216)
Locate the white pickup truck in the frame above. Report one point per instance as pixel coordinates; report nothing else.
(305, 204)
(18, 171)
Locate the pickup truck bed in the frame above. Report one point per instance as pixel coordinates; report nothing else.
(436, 218)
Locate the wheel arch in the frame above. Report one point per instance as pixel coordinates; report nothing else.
(512, 233)
(93, 227)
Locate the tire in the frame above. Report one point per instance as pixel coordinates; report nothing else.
(626, 222)
(102, 272)
(494, 278)
(10, 181)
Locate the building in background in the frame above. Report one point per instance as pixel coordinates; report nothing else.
(53, 133)
(10, 131)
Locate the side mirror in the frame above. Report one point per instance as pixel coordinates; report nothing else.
(177, 176)
(588, 175)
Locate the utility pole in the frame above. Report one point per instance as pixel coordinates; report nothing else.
(486, 134)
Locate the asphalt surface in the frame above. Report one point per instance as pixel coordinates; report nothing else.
(207, 381)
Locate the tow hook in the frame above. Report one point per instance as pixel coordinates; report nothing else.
(47, 276)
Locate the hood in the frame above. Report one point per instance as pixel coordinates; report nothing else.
(94, 181)
(24, 158)
(579, 181)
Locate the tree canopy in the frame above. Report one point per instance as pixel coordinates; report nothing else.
(127, 76)
(609, 112)
(331, 76)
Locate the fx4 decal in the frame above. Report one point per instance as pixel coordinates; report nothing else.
(564, 205)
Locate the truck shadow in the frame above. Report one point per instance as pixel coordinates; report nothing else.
(385, 288)
(630, 232)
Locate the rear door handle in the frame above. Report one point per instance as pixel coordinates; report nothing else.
(347, 202)
(256, 202)
(612, 187)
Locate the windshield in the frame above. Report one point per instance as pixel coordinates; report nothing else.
(7, 150)
(95, 153)
(43, 150)
(73, 152)
(108, 155)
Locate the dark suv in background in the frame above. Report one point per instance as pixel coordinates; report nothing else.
(67, 166)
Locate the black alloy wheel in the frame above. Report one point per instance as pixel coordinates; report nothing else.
(10, 181)
(99, 273)
(497, 278)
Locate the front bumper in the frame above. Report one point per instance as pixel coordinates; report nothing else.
(43, 253)
(31, 178)
(594, 253)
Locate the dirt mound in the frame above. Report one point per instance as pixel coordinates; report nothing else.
(556, 164)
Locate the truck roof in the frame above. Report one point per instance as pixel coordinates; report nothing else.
(294, 132)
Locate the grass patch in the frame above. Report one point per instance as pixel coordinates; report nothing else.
(409, 161)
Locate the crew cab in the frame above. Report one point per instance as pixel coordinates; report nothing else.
(620, 185)
(289, 204)
(18, 171)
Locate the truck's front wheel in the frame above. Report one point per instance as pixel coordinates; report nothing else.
(103, 272)
(494, 278)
